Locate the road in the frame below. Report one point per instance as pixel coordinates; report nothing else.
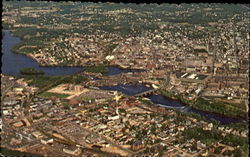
(6, 90)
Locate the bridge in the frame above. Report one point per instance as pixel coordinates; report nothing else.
(152, 91)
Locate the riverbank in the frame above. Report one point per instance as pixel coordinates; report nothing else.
(213, 107)
(13, 62)
(177, 104)
(31, 71)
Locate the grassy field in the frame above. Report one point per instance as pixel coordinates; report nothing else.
(49, 94)
(41, 81)
(44, 80)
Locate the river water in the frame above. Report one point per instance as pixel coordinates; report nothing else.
(131, 89)
(13, 62)
(115, 70)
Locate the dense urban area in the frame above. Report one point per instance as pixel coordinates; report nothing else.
(156, 80)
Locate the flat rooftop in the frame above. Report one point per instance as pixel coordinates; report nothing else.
(190, 76)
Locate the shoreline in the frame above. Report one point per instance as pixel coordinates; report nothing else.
(30, 55)
(207, 112)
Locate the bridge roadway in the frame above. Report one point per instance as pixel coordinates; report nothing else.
(154, 90)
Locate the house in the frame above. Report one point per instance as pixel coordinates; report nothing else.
(210, 125)
(38, 115)
(25, 121)
(243, 133)
(113, 118)
(18, 124)
(137, 145)
(206, 128)
(72, 152)
(6, 112)
(200, 145)
(73, 102)
(47, 141)
(213, 89)
(198, 91)
(190, 69)
(37, 134)
(18, 89)
(181, 128)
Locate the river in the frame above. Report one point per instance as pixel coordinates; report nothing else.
(13, 62)
(131, 89)
(115, 70)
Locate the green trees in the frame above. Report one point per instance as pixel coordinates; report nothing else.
(218, 107)
(237, 152)
(50, 81)
(209, 137)
(234, 140)
(74, 79)
(66, 106)
(206, 137)
(194, 147)
(164, 127)
(31, 71)
(97, 69)
(166, 93)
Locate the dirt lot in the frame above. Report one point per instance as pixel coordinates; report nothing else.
(82, 92)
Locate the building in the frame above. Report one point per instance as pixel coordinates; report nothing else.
(72, 152)
(137, 145)
(73, 102)
(18, 124)
(47, 141)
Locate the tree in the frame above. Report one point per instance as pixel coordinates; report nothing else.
(53, 99)
(65, 106)
(153, 129)
(237, 152)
